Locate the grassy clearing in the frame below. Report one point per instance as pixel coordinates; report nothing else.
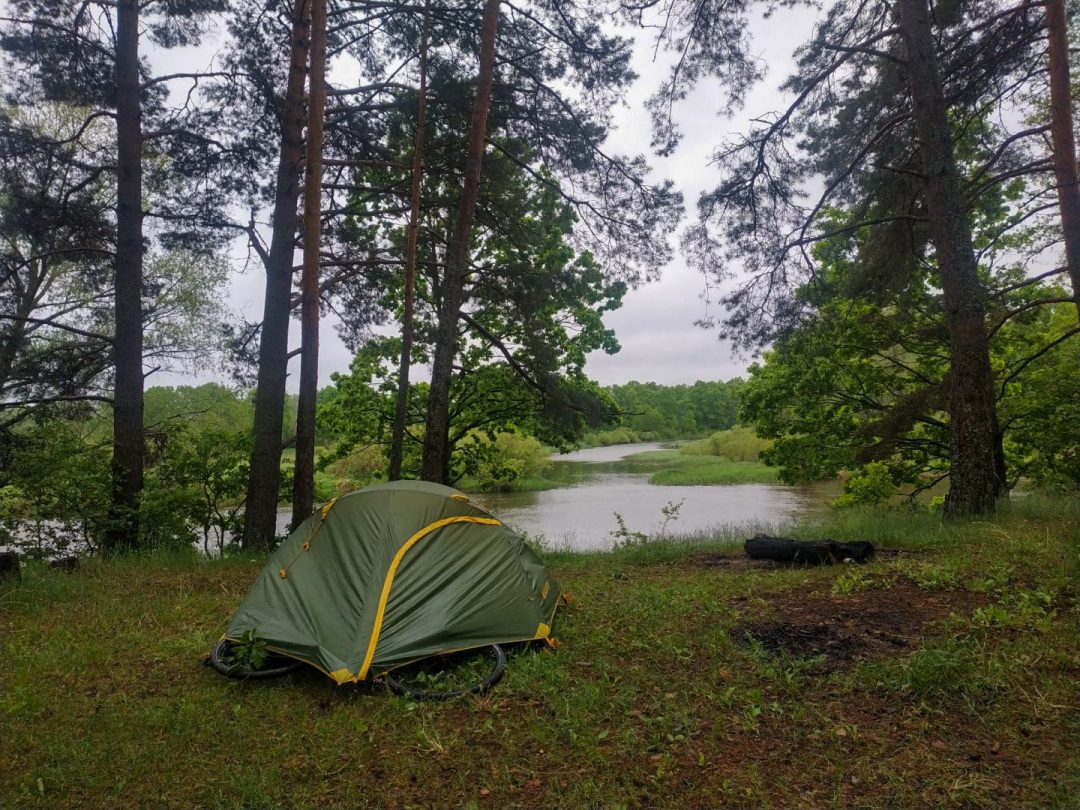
(678, 468)
(655, 698)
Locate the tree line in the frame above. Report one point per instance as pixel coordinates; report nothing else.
(451, 182)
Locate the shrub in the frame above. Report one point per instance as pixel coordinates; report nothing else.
(870, 486)
(737, 444)
(496, 462)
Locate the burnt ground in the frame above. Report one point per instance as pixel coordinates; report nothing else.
(889, 617)
(850, 627)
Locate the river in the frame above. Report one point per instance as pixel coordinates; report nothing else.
(581, 516)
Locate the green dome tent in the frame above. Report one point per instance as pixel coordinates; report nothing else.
(394, 573)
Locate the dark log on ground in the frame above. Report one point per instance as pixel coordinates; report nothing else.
(806, 552)
(9, 565)
(65, 564)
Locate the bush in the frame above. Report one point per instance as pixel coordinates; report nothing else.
(357, 469)
(495, 463)
(57, 488)
(737, 444)
(871, 486)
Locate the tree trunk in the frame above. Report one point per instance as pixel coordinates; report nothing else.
(1061, 130)
(397, 440)
(304, 480)
(127, 461)
(436, 461)
(260, 516)
(974, 479)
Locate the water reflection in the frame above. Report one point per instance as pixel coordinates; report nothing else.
(581, 515)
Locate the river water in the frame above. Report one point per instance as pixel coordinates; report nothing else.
(581, 516)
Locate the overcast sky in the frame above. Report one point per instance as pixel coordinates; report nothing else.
(656, 323)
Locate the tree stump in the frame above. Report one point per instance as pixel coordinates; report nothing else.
(10, 565)
(806, 552)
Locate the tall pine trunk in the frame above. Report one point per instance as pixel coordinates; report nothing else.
(304, 480)
(401, 412)
(260, 516)
(1064, 140)
(436, 462)
(127, 461)
(974, 480)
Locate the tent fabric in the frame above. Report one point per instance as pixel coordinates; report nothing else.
(393, 573)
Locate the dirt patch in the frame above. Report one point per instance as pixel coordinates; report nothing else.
(873, 622)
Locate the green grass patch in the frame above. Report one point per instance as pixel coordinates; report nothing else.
(678, 468)
(654, 698)
(531, 483)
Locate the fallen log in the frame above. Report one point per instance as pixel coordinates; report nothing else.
(806, 552)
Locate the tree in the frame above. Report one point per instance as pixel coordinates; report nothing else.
(866, 382)
(401, 410)
(976, 472)
(1064, 139)
(304, 482)
(55, 226)
(534, 310)
(56, 281)
(66, 53)
(288, 121)
(870, 122)
(436, 462)
(533, 125)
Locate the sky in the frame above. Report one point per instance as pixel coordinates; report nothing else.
(655, 325)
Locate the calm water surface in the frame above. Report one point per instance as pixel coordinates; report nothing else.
(582, 515)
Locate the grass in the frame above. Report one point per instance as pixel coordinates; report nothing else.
(654, 698)
(530, 483)
(678, 468)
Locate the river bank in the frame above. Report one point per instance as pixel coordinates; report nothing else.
(942, 677)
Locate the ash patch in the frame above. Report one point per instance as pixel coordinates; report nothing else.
(871, 623)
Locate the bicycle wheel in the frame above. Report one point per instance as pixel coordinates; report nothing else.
(442, 677)
(275, 665)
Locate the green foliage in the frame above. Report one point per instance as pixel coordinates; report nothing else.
(851, 582)
(607, 438)
(210, 406)
(58, 487)
(870, 486)
(740, 443)
(675, 468)
(492, 400)
(865, 379)
(246, 655)
(198, 486)
(1027, 610)
(496, 463)
(623, 538)
(651, 411)
(963, 669)
(360, 467)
